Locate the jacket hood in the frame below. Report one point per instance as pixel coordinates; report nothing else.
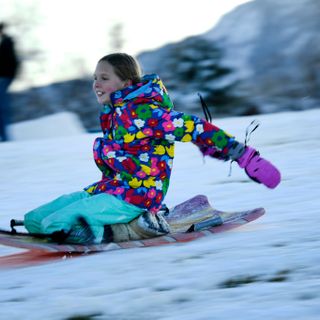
(149, 90)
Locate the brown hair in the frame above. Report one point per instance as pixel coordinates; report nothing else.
(125, 66)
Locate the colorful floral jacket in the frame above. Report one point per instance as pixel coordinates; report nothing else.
(136, 152)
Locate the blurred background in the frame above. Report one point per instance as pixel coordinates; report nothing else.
(244, 57)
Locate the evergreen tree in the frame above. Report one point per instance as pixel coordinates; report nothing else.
(198, 68)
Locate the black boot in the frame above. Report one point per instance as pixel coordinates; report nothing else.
(80, 233)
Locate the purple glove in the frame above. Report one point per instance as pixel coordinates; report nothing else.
(259, 169)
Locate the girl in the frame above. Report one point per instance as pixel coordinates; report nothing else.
(135, 157)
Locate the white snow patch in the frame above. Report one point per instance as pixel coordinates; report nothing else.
(52, 126)
(268, 269)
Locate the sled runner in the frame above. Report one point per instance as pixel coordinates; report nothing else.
(190, 220)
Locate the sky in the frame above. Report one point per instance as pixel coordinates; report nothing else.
(267, 269)
(73, 35)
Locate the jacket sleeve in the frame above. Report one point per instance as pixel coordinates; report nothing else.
(106, 119)
(111, 159)
(210, 139)
(177, 126)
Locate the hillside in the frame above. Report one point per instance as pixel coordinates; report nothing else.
(266, 270)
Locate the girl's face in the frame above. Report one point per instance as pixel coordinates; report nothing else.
(106, 81)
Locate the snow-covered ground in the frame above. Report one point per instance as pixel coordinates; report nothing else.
(268, 269)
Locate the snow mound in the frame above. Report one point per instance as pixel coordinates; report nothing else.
(53, 126)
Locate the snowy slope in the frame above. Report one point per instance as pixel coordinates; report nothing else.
(265, 45)
(268, 269)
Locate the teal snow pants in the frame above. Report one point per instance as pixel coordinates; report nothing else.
(64, 212)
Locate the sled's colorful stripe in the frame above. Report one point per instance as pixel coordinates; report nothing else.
(180, 218)
(40, 244)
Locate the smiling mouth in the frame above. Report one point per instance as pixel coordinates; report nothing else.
(99, 93)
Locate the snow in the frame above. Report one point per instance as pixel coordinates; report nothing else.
(238, 45)
(268, 269)
(45, 127)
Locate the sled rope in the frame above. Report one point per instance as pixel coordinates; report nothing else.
(205, 109)
(254, 124)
